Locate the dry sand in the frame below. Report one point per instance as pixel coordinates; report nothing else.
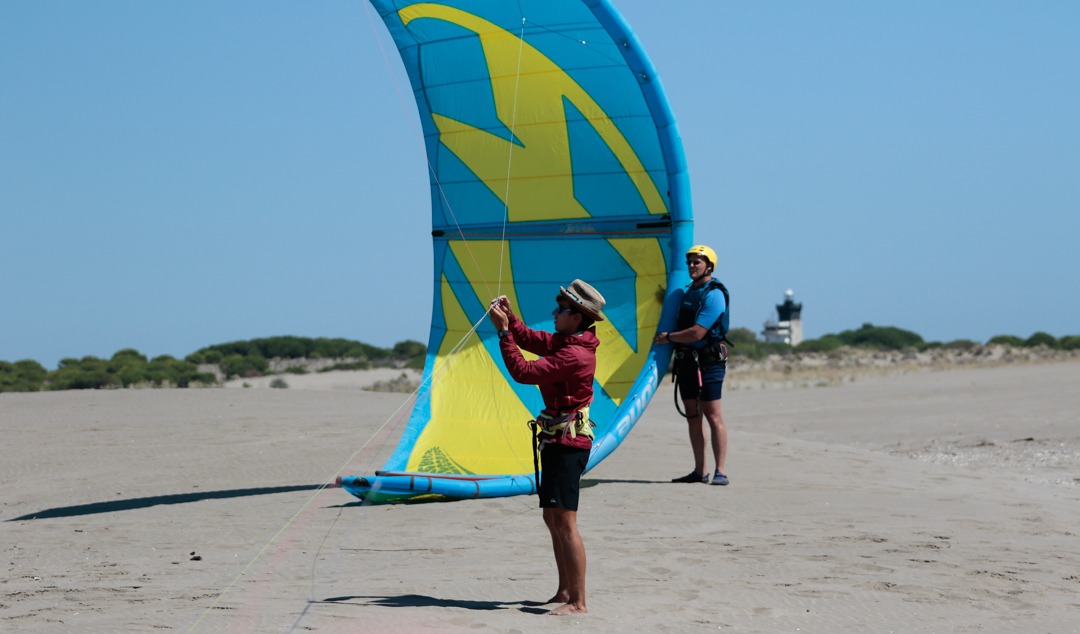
(936, 501)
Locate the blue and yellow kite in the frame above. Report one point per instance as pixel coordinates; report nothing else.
(554, 155)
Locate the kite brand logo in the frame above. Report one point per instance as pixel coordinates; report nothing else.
(532, 95)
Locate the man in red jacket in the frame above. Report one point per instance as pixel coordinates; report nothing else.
(564, 373)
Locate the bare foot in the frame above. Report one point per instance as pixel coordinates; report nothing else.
(560, 597)
(568, 608)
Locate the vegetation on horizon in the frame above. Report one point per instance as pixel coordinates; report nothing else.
(868, 336)
(247, 359)
(126, 368)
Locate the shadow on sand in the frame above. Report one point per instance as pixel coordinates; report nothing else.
(422, 601)
(113, 506)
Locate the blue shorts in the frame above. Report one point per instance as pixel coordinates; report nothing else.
(712, 382)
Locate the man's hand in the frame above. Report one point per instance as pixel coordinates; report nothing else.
(504, 306)
(499, 311)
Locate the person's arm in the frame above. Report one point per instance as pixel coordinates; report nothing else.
(556, 367)
(689, 335)
(508, 325)
(712, 310)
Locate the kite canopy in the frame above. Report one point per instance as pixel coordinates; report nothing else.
(553, 156)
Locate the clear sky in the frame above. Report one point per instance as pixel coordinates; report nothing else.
(179, 174)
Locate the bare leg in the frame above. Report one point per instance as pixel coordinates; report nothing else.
(719, 433)
(697, 433)
(569, 558)
(563, 593)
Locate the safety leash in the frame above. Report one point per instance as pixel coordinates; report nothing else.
(536, 454)
(679, 355)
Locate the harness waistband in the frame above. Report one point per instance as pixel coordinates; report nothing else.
(552, 425)
(714, 353)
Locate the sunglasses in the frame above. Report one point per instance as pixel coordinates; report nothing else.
(561, 310)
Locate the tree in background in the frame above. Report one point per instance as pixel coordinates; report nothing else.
(22, 376)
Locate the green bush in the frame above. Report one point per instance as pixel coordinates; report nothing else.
(744, 343)
(132, 374)
(1069, 342)
(827, 343)
(22, 376)
(881, 338)
(249, 358)
(128, 355)
(244, 366)
(126, 368)
(164, 371)
(284, 348)
(88, 373)
(1006, 340)
(961, 344)
(326, 348)
(129, 367)
(289, 347)
(1041, 339)
(410, 349)
(205, 357)
(742, 337)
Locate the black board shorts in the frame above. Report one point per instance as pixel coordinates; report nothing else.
(560, 476)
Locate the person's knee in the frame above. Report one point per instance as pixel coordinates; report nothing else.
(561, 519)
(712, 409)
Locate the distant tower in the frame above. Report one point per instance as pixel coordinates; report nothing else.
(788, 328)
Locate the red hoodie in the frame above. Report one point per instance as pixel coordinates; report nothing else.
(564, 372)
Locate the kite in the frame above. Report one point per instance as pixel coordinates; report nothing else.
(553, 155)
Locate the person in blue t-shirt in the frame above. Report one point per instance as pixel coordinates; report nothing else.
(701, 361)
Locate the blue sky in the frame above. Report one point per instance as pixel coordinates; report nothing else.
(180, 174)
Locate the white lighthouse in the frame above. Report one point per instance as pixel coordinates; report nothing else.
(788, 327)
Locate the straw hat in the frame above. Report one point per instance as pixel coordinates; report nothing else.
(584, 298)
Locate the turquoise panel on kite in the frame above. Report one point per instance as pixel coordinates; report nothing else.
(553, 156)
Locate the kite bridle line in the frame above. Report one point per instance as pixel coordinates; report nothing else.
(510, 156)
(331, 482)
(446, 200)
(418, 135)
(438, 371)
(440, 367)
(506, 217)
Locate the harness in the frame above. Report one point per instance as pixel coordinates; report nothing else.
(712, 354)
(546, 427)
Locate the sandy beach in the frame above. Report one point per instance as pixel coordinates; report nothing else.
(929, 501)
